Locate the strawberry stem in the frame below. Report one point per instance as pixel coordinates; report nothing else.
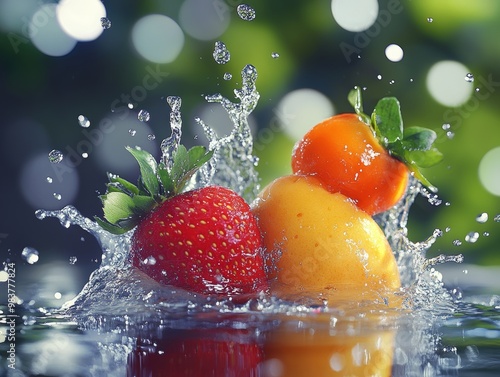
(125, 204)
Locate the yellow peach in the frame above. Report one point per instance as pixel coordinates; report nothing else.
(318, 241)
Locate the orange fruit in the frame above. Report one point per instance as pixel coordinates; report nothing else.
(344, 153)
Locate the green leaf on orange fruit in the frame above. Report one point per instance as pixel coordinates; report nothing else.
(387, 120)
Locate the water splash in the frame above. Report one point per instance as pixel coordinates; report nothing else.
(221, 53)
(245, 12)
(233, 164)
(83, 121)
(105, 23)
(55, 156)
(143, 116)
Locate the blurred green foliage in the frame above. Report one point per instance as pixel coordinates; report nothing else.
(53, 91)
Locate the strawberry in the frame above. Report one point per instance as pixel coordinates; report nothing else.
(193, 353)
(204, 240)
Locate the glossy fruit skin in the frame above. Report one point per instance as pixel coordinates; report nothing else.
(344, 154)
(205, 241)
(318, 241)
(298, 351)
(196, 353)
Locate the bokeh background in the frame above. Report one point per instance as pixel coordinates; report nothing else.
(73, 83)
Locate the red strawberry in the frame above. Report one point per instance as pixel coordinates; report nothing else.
(205, 241)
(196, 353)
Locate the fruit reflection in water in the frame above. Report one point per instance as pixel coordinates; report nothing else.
(196, 353)
(304, 351)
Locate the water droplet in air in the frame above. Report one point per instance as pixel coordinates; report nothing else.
(85, 155)
(246, 12)
(391, 82)
(275, 55)
(446, 126)
(497, 218)
(447, 229)
(430, 19)
(130, 106)
(143, 116)
(228, 76)
(450, 135)
(30, 255)
(57, 196)
(49, 180)
(482, 218)
(472, 237)
(132, 132)
(379, 77)
(486, 234)
(105, 23)
(55, 156)
(83, 121)
(469, 77)
(457, 243)
(221, 53)
(477, 90)
(73, 260)
(151, 137)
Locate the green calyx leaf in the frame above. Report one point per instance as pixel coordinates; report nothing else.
(413, 145)
(125, 204)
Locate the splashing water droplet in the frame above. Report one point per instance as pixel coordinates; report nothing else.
(482, 218)
(275, 55)
(245, 12)
(73, 260)
(49, 180)
(457, 243)
(430, 19)
(472, 237)
(30, 255)
(105, 23)
(228, 76)
(469, 77)
(221, 53)
(83, 121)
(143, 116)
(151, 137)
(55, 156)
(57, 196)
(132, 132)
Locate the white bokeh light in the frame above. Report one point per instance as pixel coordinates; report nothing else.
(46, 33)
(489, 171)
(355, 15)
(301, 109)
(204, 20)
(394, 53)
(157, 38)
(81, 19)
(447, 85)
(37, 190)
